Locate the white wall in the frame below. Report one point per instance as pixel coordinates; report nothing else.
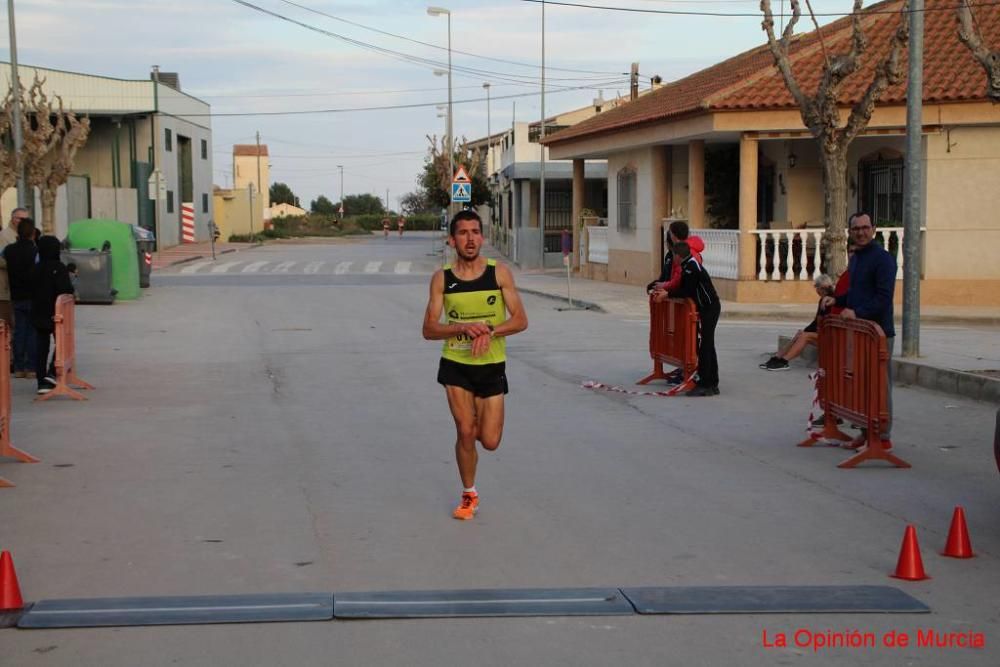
(641, 161)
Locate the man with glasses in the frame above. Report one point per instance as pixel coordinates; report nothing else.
(870, 293)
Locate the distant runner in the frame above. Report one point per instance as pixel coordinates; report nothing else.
(477, 294)
(400, 223)
(385, 227)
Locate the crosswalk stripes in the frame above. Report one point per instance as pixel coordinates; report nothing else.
(314, 267)
(254, 267)
(193, 267)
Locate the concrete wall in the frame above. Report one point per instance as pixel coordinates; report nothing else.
(232, 213)
(245, 172)
(114, 204)
(679, 181)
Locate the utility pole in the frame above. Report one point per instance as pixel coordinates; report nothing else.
(387, 200)
(155, 131)
(260, 186)
(250, 193)
(342, 209)
(633, 80)
(541, 150)
(913, 214)
(15, 81)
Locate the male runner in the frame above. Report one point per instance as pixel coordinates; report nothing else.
(401, 223)
(477, 294)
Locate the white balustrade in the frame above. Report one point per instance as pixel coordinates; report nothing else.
(797, 254)
(597, 245)
(721, 255)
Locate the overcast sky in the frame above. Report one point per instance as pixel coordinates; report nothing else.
(241, 60)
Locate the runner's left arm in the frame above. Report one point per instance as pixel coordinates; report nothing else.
(518, 320)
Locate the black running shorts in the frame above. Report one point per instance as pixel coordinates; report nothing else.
(483, 380)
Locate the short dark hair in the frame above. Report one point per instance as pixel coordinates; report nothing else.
(679, 229)
(467, 214)
(682, 249)
(858, 215)
(26, 228)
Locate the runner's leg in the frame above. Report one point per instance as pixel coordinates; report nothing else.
(489, 418)
(463, 410)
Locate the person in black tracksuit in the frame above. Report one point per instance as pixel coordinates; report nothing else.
(51, 278)
(697, 285)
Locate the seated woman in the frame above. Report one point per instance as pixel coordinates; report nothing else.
(807, 336)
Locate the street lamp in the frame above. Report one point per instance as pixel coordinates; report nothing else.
(439, 11)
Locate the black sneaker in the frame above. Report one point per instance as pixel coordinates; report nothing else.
(776, 364)
(45, 387)
(676, 377)
(703, 391)
(763, 366)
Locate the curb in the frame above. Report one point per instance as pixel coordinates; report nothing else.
(579, 303)
(915, 373)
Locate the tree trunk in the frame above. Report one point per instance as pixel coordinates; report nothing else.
(48, 211)
(835, 211)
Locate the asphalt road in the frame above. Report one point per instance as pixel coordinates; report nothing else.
(280, 431)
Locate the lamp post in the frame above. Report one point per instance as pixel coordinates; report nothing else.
(439, 11)
(16, 130)
(489, 160)
(341, 168)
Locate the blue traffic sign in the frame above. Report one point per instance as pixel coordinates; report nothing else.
(461, 192)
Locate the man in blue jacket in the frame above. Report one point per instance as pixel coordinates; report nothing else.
(872, 286)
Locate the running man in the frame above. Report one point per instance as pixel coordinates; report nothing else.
(400, 223)
(477, 294)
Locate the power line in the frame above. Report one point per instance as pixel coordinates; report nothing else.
(757, 15)
(405, 57)
(435, 46)
(416, 105)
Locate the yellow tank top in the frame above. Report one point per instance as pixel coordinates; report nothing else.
(478, 300)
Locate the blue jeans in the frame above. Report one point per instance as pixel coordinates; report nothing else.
(24, 337)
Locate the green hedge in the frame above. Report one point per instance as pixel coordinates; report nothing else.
(419, 222)
(328, 225)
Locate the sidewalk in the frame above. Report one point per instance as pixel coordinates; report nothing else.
(958, 344)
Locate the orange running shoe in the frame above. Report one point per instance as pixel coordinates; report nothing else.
(467, 508)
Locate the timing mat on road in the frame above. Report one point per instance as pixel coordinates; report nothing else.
(144, 611)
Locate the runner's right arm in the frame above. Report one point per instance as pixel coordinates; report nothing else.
(434, 328)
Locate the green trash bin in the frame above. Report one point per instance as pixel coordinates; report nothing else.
(92, 234)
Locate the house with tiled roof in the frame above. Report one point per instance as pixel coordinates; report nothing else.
(726, 150)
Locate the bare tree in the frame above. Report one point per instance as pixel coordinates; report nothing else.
(52, 136)
(9, 159)
(821, 112)
(971, 36)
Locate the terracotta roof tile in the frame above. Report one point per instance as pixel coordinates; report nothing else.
(248, 149)
(751, 81)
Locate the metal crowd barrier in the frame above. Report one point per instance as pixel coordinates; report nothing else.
(853, 364)
(673, 339)
(67, 381)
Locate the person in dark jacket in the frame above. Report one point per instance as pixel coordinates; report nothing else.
(50, 280)
(697, 285)
(870, 292)
(20, 257)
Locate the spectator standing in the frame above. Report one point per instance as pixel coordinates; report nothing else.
(20, 259)
(870, 293)
(51, 279)
(697, 285)
(8, 235)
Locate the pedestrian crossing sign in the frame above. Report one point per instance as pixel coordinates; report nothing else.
(461, 193)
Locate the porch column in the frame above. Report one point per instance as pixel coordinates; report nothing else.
(660, 205)
(696, 183)
(579, 190)
(748, 207)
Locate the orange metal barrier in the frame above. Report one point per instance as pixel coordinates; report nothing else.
(66, 380)
(673, 339)
(6, 449)
(853, 360)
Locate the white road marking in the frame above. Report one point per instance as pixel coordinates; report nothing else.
(402, 267)
(342, 268)
(254, 267)
(283, 267)
(313, 267)
(222, 268)
(192, 268)
(373, 267)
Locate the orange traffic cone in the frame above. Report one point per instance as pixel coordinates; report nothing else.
(959, 545)
(910, 566)
(10, 592)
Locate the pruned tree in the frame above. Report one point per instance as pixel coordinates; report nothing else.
(436, 178)
(821, 111)
(52, 136)
(970, 35)
(10, 162)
